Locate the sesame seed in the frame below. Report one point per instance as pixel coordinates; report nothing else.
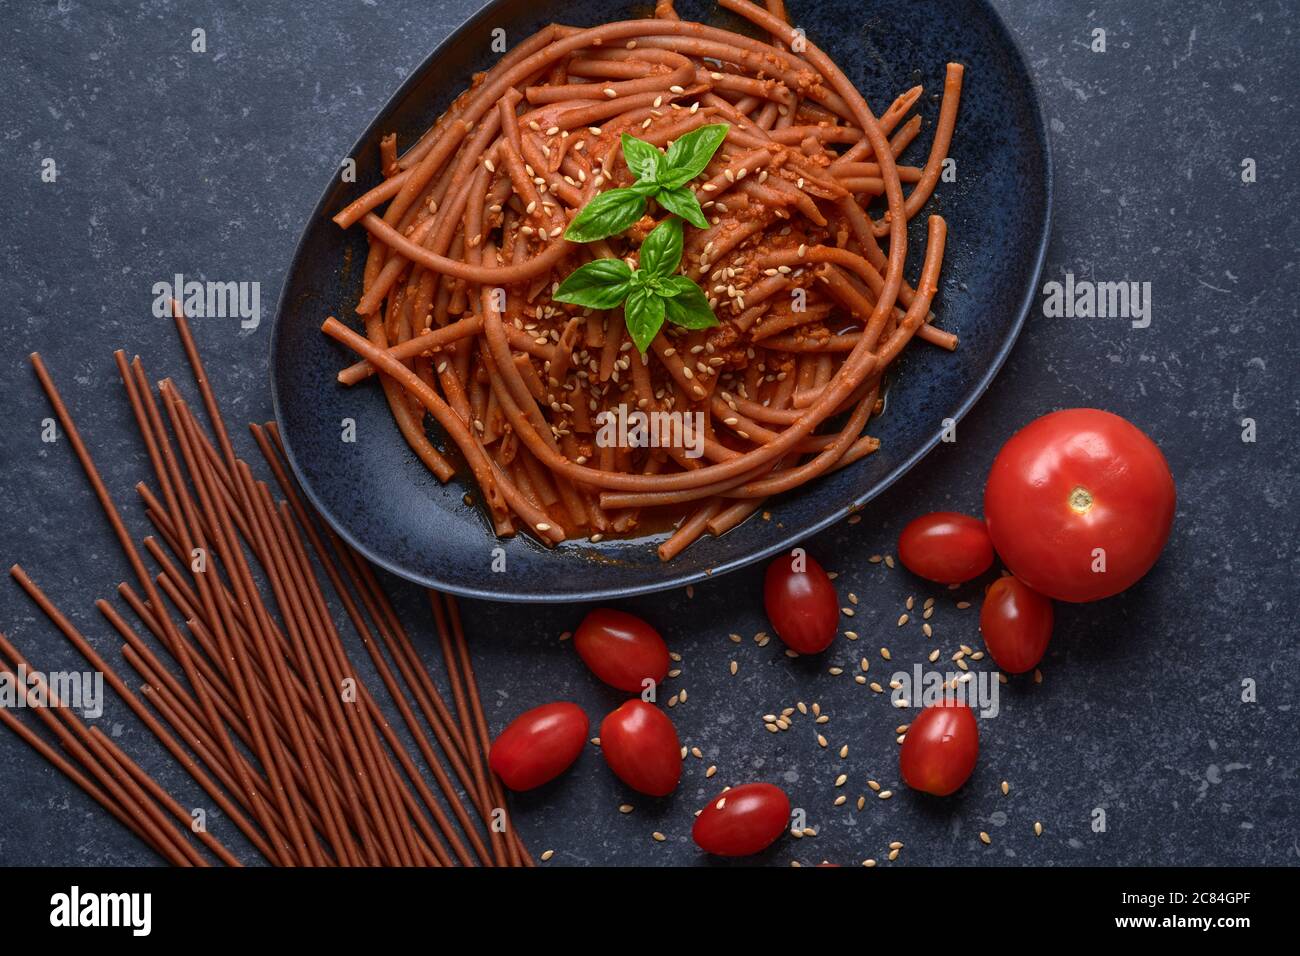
(547, 854)
(902, 619)
(877, 688)
(929, 603)
(625, 808)
(1038, 829)
(862, 802)
(595, 741)
(868, 862)
(675, 672)
(874, 559)
(985, 838)
(823, 719)
(734, 638)
(934, 655)
(711, 771)
(895, 845)
(772, 727)
(803, 708)
(889, 560)
(911, 602)
(851, 635)
(875, 787)
(1038, 676)
(885, 794)
(893, 854)
(841, 800)
(821, 741)
(841, 780)
(864, 664)
(697, 753)
(927, 630)
(733, 668)
(962, 605)
(884, 652)
(675, 656)
(844, 751)
(659, 837)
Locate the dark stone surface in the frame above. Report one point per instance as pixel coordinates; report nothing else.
(206, 164)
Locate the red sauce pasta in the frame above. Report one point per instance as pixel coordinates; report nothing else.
(521, 287)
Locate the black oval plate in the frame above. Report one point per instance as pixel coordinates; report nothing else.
(380, 498)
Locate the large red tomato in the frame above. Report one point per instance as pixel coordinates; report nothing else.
(1079, 504)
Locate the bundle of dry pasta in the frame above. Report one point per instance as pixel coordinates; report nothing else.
(654, 219)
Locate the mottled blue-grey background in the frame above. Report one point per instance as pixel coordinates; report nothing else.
(208, 163)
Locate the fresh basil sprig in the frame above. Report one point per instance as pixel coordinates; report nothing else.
(662, 176)
(650, 294)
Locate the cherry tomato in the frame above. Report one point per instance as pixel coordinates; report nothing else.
(539, 745)
(1079, 504)
(640, 745)
(946, 547)
(1017, 624)
(801, 602)
(621, 649)
(742, 820)
(940, 749)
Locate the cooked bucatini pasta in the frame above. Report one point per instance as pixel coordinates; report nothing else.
(658, 220)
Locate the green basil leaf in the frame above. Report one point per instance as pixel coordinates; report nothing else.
(608, 214)
(681, 201)
(599, 284)
(641, 157)
(643, 314)
(644, 187)
(662, 250)
(688, 306)
(688, 156)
